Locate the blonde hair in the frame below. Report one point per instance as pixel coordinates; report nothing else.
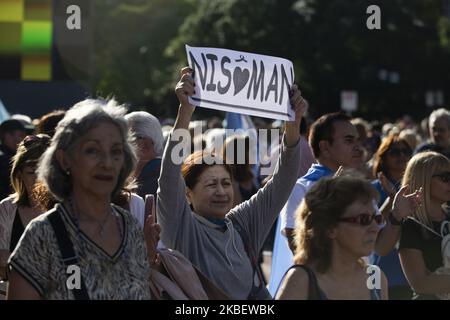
(28, 153)
(418, 173)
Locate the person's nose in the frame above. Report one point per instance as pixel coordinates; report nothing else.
(106, 159)
(220, 190)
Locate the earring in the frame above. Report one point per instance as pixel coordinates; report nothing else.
(67, 172)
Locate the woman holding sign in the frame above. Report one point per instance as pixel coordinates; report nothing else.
(195, 206)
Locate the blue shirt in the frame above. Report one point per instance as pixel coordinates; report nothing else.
(390, 264)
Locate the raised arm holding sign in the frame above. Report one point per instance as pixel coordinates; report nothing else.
(195, 201)
(241, 82)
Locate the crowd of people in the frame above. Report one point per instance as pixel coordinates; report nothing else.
(95, 206)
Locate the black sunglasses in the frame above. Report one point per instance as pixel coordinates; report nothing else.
(397, 152)
(444, 177)
(364, 219)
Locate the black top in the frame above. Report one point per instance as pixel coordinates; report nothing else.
(413, 237)
(5, 169)
(431, 147)
(17, 231)
(316, 293)
(148, 178)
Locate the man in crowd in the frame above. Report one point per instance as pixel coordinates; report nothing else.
(439, 127)
(335, 142)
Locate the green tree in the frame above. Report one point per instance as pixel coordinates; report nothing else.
(332, 49)
(130, 40)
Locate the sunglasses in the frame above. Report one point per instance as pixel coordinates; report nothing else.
(364, 219)
(30, 140)
(398, 152)
(444, 177)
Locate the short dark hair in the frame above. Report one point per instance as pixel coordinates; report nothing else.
(11, 125)
(323, 129)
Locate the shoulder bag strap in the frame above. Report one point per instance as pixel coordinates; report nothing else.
(67, 251)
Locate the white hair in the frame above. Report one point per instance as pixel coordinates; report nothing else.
(78, 120)
(438, 114)
(142, 123)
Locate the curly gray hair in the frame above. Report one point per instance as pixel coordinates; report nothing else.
(78, 120)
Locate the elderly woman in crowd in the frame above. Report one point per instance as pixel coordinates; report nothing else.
(19, 209)
(84, 237)
(149, 142)
(196, 213)
(337, 225)
(421, 238)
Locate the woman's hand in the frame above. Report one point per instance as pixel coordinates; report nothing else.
(184, 89)
(387, 185)
(152, 231)
(299, 105)
(404, 204)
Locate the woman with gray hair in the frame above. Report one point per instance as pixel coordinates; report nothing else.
(149, 142)
(86, 247)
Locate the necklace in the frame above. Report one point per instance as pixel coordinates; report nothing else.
(101, 224)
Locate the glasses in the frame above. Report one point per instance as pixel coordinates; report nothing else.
(364, 219)
(444, 177)
(398, 152)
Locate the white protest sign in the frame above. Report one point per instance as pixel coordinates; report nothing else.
(241, 82)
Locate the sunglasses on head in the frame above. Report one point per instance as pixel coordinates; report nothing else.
(397, 152)
(364, 219)
(32, 139)
(444, 177)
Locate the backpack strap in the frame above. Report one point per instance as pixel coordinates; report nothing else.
(258, 291)
(67, 252)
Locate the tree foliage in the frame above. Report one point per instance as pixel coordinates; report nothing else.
(328, 42)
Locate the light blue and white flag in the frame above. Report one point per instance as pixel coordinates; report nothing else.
(4, 114)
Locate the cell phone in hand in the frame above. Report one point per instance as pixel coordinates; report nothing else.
(150, 206)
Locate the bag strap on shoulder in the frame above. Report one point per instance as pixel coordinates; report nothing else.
(67, 252)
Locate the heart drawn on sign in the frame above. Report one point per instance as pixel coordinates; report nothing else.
(240, 78)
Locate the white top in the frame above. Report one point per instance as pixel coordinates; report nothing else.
(137, 208)
(297, 194)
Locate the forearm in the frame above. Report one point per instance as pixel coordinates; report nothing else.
(387, 239)
(292, 133)
(431, 284)
(260, 212)
(183, 117)
(171, 195)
